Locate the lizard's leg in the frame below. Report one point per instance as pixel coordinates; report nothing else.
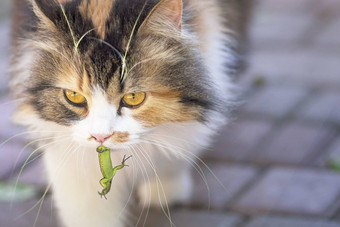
(121, 166)
(106, 183)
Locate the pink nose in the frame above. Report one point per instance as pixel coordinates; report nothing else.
(101, 138)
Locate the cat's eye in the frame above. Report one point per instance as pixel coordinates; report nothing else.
(134, 99)
(74, 98)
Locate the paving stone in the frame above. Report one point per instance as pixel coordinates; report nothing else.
(270, 221)
(276, 22)
(189, 218)
(328, 36)
(328, 4)
(324, 107)
(275, 101)
(224, 186)
(305, 67)
(308, 20)
(238, 140)
(293, 191)
(294, 143)
(327, 10)
(286, 5)
(279, 27)
(10, 217)
(193, 219)
(331, 158)
(335, 150)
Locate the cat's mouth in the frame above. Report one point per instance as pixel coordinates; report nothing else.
(115, 141)
(115, 138)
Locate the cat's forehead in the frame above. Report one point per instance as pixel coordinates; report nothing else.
(107, 19)
(101, 32)
(98, 12)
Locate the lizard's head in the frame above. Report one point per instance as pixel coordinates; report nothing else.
(102, 149)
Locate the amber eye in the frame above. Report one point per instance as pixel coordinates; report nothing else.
(134, 99)
(74, 98)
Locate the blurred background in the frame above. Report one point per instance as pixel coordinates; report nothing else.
(279, 159)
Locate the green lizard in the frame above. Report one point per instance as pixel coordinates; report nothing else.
(106, 168)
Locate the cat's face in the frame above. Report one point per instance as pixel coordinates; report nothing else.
(112, 79)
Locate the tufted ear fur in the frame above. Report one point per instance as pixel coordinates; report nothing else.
(166, 11)
(44, 9)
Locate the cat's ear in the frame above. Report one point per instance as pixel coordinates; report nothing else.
(166, 11)
(44, 9)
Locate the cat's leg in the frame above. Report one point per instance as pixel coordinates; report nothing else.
(75, 180)
(166, 189)
(170, 158)
(173, 151)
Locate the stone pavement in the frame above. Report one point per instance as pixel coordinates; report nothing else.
(276, 163)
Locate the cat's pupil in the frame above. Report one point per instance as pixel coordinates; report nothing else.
(133, 95)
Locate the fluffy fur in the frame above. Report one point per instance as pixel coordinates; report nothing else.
(105, 49)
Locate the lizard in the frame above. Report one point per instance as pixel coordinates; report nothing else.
(107, 170)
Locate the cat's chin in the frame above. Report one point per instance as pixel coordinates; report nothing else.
(117, 147)
(113, 147)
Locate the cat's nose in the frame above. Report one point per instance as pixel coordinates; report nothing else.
(101, 138)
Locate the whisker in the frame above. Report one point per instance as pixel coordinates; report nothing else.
(109, 45)
(191, 162)
(45, 193)
(25, 163)
(146, 179)
(25, 133)
(40, 206)
(12, 101)
(131, 189)
(209, 169)
(187, 142)
(51, 208)
(83, 164)
(201, 161)
(35, 205)
(69, 27)
(41, 199)
(27, 145)
(122, 76)
(159, 183)
(83, 36)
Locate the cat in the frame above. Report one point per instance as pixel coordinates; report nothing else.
(146, 78)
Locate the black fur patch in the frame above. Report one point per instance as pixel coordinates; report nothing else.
(47, 102)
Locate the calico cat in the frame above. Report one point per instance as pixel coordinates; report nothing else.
(147, 78)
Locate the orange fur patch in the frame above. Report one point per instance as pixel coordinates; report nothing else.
(120, 137)
(163, 107)
(70, 79)
(98, 11)
(64, 1)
